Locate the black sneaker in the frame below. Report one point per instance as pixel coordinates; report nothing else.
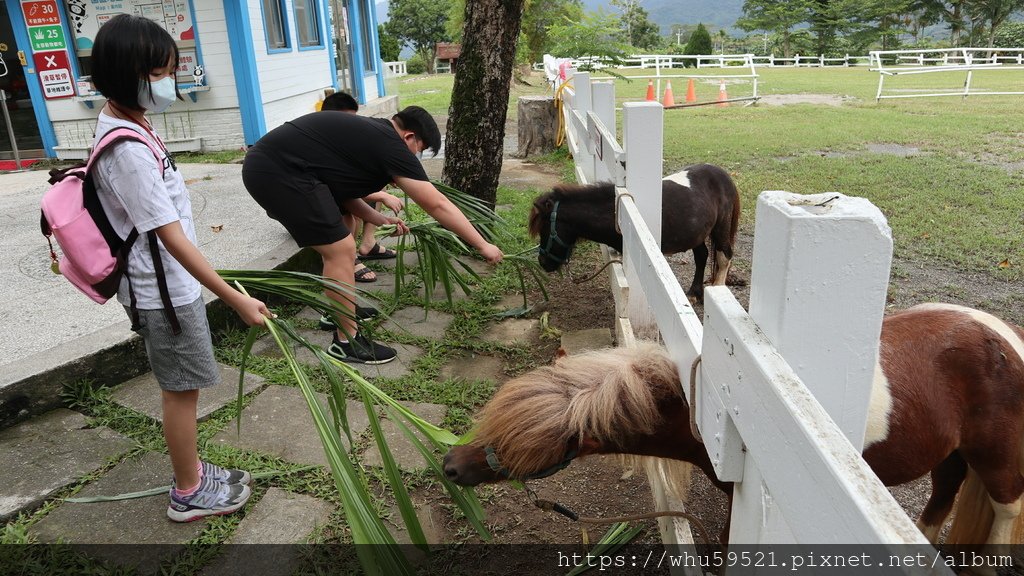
(362, 313)
(361, 350)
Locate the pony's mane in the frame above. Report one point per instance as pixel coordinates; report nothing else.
(542, 205)
(604, 394)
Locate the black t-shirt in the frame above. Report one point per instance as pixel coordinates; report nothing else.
(353, 155)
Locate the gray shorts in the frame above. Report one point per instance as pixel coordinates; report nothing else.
(182, 362)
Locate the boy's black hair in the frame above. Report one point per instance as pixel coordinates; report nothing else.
(126, 49)
(421, 123)
(340, 101)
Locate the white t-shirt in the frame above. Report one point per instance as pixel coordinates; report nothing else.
(133, 194)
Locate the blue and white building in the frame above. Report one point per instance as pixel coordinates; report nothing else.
(262, 62)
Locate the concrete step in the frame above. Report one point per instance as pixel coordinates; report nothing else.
(141, 393)
(43, 455)
(583, 340)
(405, 454)
(278, 423)
(124, 522)
(280, 517)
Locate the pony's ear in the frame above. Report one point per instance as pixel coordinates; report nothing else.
(545, 204)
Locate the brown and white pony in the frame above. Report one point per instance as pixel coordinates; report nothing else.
(947, 399)
(699, 204)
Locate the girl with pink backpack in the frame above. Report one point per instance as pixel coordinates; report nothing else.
(134, 62)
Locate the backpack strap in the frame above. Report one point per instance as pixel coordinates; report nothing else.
(106, 142)
(161, 281)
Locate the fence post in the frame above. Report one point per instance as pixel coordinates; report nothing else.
(583, 103)
(604, 109)
(643, 140)
(818, 288)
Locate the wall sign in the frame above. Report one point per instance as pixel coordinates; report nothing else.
(49, 48)
(46, 38)
(86, 17)
(40, 12)
(54, 74)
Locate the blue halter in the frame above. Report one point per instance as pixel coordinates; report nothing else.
(554, 239)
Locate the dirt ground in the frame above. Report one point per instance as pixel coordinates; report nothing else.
(599, 486)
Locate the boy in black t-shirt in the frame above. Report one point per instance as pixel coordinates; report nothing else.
(368, 248)
(306, 172)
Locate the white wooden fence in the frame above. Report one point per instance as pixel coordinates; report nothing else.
(664, 65)
(966, 60)
(782, 393)
(397, 68)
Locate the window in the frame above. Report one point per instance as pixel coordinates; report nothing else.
(275, 26)
(369, 54)
(307, 23)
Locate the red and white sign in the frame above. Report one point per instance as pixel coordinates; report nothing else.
(40, 13)
(54, 74)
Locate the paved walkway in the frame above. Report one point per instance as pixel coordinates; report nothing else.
(47, 323)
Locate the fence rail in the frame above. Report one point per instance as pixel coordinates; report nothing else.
(799, 477)
(890, 63)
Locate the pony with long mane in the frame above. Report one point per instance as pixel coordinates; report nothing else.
(947, 399)
(700, 205)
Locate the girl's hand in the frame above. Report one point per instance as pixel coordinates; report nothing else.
(252, 311)
(491, 253)
(400, 227)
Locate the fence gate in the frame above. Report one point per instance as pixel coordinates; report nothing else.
(782, 392)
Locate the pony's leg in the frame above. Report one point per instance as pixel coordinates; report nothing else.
(1004, 485)
(700, 261)
(722, 263)
(946, 480)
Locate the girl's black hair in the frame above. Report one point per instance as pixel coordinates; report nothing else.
(126, 49)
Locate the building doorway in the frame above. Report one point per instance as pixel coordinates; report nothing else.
(24, 126)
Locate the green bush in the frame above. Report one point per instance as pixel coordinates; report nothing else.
(416, 65)
(1010, 35)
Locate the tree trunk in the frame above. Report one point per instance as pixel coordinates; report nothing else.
(538, 125)
(476, 122)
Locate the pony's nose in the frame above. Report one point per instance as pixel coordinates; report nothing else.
(450, 471)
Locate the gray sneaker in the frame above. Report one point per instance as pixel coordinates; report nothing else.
(213, 498)
(226, 475)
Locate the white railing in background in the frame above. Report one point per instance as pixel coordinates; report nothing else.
(967, 60)
(782, 393)
(664, 69)
(392, 69)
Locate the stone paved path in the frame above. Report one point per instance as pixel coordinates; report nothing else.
(60, 454)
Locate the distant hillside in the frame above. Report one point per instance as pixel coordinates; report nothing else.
(665, 13)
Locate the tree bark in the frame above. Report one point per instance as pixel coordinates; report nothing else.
(476, 120)
(537, 124)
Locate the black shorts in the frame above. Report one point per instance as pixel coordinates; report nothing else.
(300, 202)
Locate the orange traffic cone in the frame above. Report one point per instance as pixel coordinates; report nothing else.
(691, 94)
(668, 100)
(650, 91)
(722, 95)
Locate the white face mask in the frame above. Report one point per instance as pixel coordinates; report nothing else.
(163, 94)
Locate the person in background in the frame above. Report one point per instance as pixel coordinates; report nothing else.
(133, 66)
(310, 170)
(368, 248)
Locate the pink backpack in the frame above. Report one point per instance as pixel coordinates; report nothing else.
(94, 256)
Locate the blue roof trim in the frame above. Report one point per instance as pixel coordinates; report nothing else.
(355, 13)
(378, 64)
(247, 80)
(35, 91)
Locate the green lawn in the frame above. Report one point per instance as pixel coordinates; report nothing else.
(959, 200)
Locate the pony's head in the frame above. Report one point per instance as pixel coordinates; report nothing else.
(557, 238)
(596, 402)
